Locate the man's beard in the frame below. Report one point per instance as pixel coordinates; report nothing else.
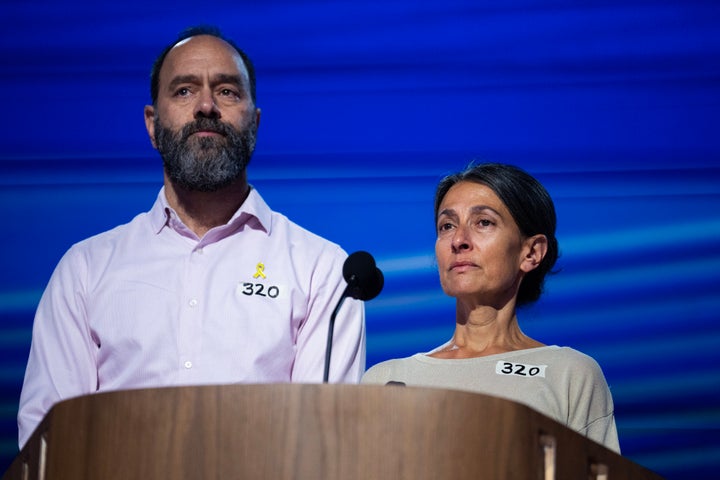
(205, 164)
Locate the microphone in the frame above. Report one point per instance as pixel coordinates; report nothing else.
(364, 282)
(364, 279)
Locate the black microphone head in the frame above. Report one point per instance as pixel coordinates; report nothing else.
(360, 264)
(365, 280)
(372, 288)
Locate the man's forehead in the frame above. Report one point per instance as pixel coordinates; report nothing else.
(203, 38)
(203, 47)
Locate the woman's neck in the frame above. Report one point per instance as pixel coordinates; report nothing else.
(483, 331)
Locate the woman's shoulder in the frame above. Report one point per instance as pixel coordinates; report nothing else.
(570, 353)
(385, 371)
(568, 357)
(554, 351)
(559, 351)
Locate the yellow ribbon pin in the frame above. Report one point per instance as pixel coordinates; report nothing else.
(259, 268)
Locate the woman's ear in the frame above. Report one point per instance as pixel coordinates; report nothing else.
(533, 252)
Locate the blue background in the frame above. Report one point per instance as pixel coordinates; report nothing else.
(613, 105)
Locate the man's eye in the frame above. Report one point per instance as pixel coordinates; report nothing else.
(227, 92)
(445, 226)
(182, 92)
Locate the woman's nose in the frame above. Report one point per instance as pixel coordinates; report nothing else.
(460, 240)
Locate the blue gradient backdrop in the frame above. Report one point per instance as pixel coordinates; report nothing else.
(614, 105)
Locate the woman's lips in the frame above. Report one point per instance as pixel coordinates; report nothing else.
(462, 266)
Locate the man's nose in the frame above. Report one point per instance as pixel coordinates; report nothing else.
(206, 106)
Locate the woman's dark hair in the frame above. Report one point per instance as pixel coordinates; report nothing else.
(192, 32)
(529, 204)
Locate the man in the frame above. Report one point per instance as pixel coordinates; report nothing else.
(210, 285)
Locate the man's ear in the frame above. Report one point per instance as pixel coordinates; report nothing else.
(150, 123)
(257, 117)
(534, 251)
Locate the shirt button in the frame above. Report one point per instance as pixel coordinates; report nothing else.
(188, 364)
(193, 302)
(200, 251)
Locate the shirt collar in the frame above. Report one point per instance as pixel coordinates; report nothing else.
(254, 212)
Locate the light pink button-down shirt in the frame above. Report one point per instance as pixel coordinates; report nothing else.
(148, 304)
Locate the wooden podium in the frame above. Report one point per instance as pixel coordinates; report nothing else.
(327, 432)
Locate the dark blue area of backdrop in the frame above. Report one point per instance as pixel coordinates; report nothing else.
(614, 105)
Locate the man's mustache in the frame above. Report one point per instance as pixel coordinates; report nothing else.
(205, 125)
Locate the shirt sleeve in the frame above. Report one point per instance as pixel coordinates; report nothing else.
(61, 363)
(604, 431)
(347, 361)
(591, 409)
(378, 374)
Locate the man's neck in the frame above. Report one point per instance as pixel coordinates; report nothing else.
(201, 211)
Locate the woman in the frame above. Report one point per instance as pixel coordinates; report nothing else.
(495, 244)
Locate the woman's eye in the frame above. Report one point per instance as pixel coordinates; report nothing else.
(445, 226)
(485, 222)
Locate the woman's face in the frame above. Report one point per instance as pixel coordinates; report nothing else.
(479, 248)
